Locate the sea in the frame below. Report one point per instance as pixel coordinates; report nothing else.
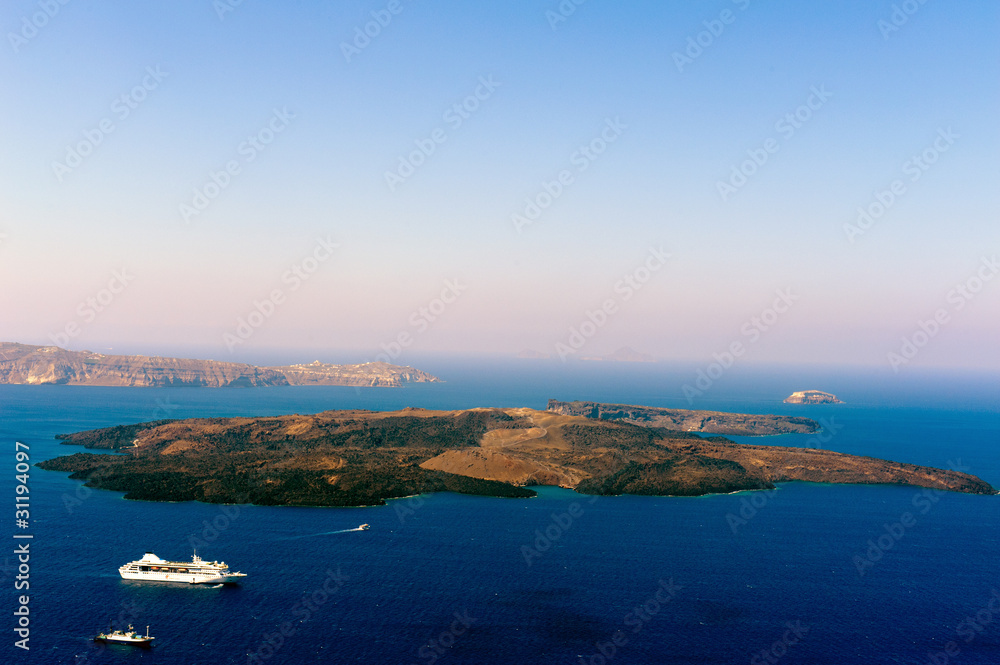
(806, 573)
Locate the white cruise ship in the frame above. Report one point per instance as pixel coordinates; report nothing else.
(154, 569)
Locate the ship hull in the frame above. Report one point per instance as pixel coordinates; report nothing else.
(181, 578)
(143, 643)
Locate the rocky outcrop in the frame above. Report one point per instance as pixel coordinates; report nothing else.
(811, 397)
(683, 420)
(38, 365)
(372, 374)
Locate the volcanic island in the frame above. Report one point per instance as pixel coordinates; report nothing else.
(358, 458)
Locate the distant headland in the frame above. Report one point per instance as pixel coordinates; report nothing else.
(47, 365)
(812, 397)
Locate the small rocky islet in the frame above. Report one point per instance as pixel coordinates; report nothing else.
(812, 397)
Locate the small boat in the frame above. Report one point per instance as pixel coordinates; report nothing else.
(126, 637)
(365, 527)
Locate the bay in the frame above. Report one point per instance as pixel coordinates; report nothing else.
(562, 578)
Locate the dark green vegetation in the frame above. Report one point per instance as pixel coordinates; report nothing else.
(680, 475)
(112, 438)
(255, 481)
(295, 460)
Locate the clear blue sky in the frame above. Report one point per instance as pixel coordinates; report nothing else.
(329, 126)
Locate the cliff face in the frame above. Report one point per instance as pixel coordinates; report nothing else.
(683, 420)
(364, 457)
(36, 365)
(376, 375)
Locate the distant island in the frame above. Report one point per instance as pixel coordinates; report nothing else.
(812, 397)
(45, 365)
(623, 355)
(354, 458)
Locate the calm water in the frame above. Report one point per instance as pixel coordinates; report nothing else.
(444, 578)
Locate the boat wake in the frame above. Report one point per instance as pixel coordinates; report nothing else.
(363, 527)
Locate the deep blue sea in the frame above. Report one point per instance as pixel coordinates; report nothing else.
(804, 574)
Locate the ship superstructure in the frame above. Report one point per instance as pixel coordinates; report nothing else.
(129, 637)
(152, 568)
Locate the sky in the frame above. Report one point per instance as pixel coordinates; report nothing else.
(784, 182)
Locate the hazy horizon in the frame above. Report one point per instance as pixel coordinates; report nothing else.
(787, 184)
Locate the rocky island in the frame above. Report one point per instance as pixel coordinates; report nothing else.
(352, 458)
(812, 397)
(40, 365)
